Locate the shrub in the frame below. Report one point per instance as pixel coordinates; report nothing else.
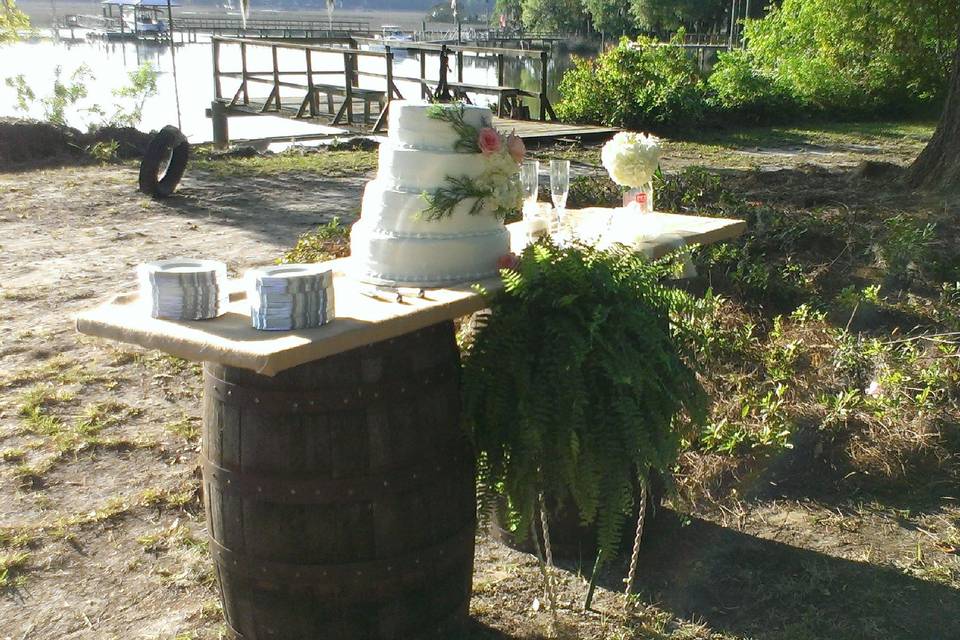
(854, 57)
(637, 85)
(738, 88)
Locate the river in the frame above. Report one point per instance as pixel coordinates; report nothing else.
(111, 62)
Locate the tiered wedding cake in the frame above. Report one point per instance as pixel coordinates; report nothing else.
(434, 214)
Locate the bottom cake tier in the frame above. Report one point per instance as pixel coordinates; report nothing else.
(382, 257)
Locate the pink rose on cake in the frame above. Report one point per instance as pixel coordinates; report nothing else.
(516, 148)
(488, 140)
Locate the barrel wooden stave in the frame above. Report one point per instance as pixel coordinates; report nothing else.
(307, 542)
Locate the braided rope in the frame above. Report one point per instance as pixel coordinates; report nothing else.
(546, 531)
(634, 555)
(545, 576)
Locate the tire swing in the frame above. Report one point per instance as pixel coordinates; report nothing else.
(164, 162)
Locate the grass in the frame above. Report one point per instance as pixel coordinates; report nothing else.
(13, 454)
(329, 164)
(326, 242)
(12, 564)
(160, 498)
(175, 536)
(59, 370)
(187, 427)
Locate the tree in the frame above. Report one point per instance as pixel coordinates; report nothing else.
(11, 21)
(564, 16)
(611, 17)
(666, 16)
(509, 9)
(938, 165)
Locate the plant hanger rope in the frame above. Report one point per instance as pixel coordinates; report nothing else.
(635, 553)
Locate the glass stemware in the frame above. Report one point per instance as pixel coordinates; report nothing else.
(530, 179)
(559, 186)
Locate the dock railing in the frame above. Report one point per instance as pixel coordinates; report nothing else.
(306, 82)
(307, 94)
(444, 51)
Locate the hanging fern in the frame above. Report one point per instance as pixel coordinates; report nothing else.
(573, 383)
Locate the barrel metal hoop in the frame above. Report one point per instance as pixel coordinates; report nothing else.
(329, 399)
(383, 577)
(437, 468)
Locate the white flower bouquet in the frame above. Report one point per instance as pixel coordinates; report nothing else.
(631, 159)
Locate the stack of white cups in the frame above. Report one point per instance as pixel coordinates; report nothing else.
(290, 296)
(184, 289)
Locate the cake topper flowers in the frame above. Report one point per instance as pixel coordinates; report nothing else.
(497, 190)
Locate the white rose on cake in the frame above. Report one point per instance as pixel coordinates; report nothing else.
(631, 158)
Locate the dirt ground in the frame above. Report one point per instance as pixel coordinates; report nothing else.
(102, 536)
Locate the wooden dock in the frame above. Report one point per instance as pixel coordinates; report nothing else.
(325, 87)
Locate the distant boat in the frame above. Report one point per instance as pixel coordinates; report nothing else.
(146, 21)
(390, 35)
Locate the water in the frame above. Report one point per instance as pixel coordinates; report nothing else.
(110, 62)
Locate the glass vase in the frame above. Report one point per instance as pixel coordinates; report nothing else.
(640, 199)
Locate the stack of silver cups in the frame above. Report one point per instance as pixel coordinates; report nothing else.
(290, 296)
(184, 289)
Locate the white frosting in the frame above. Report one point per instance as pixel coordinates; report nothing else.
(410, 169)
(401, 212)
(387, 258)
(409, 125)
(393, 242)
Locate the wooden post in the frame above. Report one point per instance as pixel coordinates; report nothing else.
(348, 60)
(390, 87)
(217, 93)
(276, 77)
(221, 134)
(312, 96)
(354, 68)
(500, 81)
(544, 101)
(243, 71)
(459, 66)
(423, 74)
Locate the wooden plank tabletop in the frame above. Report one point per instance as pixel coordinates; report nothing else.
(360, 319)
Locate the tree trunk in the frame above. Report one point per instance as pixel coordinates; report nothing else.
(938, 165)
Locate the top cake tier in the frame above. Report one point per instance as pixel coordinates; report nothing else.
(410, 126)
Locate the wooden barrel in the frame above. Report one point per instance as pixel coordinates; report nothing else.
(340, 494)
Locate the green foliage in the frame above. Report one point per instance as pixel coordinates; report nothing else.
(12, 21)
(565, 16)
(636, 85)
(611, 17)
(510, 9)
(58, 106)
(855, 56)
(906, 247)
(63, 96)
(326, 242)
(739, 88)
(836, 58)
(104, 152)
(442, 201)
(594, 191)
(574, 383)
(670, 15)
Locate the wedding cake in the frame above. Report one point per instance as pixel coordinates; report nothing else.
(434, 214)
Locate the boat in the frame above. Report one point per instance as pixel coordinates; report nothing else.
(392, 35)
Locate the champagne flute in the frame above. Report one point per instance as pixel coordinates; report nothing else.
(559, 186)
(530, 181)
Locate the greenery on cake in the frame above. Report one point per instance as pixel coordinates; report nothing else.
(497, 190)
(575, 385)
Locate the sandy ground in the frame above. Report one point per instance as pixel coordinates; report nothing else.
(102, 502)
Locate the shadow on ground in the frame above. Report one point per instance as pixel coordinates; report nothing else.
(738, 583)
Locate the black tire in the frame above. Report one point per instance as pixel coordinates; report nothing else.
(164, 162)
